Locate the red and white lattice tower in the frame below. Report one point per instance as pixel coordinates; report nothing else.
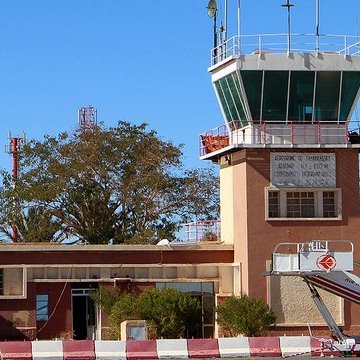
(14, 149)
(87, 118)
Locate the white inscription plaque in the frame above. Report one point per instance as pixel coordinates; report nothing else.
(307, 170)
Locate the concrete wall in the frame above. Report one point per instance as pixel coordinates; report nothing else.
(13, 281)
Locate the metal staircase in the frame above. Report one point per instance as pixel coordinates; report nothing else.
(325, 265)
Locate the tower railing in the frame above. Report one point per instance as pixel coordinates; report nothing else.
(201, 230)
(278, 43)
(281, 134)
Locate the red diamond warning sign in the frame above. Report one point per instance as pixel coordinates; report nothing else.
(326, 262)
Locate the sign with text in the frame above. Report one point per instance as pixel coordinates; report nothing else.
(306, 170)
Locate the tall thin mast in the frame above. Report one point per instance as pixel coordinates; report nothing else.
(238, 23)
(288, 6)
(317, 25)
(225, 20)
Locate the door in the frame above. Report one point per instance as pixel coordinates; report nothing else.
(83, 314)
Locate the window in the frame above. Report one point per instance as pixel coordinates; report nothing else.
(231, 98)
(275, 95)
(274, 204)
(300, 204)
(349, 90)
(329, 204)
(1, 281)
(301, 95)
(42, 307)
(327, 95)
(303, 204)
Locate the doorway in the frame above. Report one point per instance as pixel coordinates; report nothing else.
(83, 314)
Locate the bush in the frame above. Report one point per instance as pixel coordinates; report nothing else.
(244, 315)
(105, 298)
(125, 308)
(170, 312)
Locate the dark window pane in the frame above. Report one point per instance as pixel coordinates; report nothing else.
(329, 204)
(274, 205)
(252, 81)
(208, 303)
(239, 99)
(229, 99)
(350, 87)
(327, 95)
(1, 281)
(224, 105)
(301, 95)
(275, 95)
(208, 332)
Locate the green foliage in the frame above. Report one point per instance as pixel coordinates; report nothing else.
(125, 308)
(105, 298)
(169, 312)
(244, 315)
(122, 183)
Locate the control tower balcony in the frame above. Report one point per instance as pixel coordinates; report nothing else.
(272, 97)
(272, 134)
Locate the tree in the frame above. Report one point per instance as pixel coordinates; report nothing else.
(244, 315)
(121, 183)
(33, 223)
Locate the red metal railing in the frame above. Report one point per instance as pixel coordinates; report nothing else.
(279, 133)
(214, 140)
(202, 230)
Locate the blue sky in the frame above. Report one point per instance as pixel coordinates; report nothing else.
(141, 61)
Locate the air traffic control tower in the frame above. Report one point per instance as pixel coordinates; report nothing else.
(288, 156)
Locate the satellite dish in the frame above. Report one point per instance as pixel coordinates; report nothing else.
(211, 8)
(163, 242)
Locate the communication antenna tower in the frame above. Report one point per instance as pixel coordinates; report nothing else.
(87, 118)
(14, 149)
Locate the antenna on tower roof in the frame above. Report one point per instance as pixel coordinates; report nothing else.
(288, 6)
(212, 11)
(317, 15)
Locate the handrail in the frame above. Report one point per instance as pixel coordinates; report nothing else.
(323, 245)
(313, 245)
(238, 45)
(259, 132)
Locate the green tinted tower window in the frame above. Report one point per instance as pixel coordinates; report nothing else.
(327, 96)
(301, 96)
(349, 90)
(275, 95)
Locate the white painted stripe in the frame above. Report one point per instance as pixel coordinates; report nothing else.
(170, 349)
(47, 350)
(110, 350)
(234, 347)
(336, 288)
(295, 345)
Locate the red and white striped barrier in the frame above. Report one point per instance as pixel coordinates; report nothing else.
(284, 346)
